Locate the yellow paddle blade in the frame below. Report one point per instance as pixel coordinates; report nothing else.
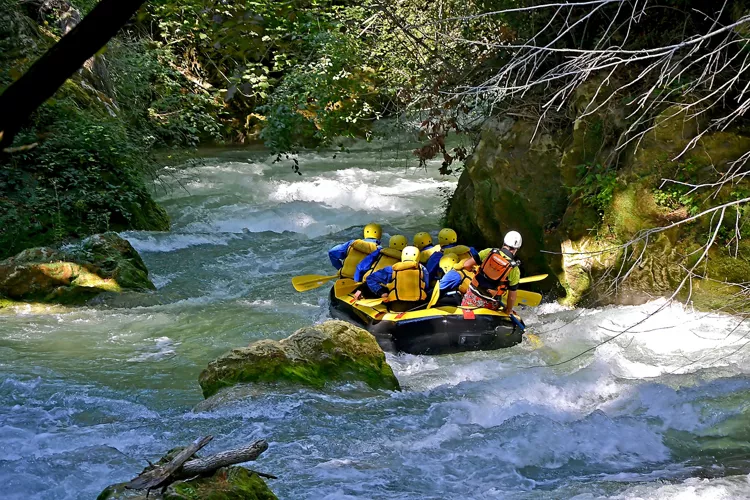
(534, 340)
(345, 286)
(529, 299)
(369, 302)
(311, 281)
(435, 296)
(531, 279)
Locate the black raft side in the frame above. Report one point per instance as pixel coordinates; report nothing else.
(433, 335)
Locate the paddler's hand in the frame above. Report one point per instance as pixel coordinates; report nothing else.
(384, 297)
(358, 295)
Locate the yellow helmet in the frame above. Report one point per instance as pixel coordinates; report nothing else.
(373, 231)
(398, 242)
(410, 254)
(448, 262)
(447, 236)
(422, 239)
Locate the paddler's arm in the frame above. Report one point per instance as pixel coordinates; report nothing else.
(476, 258)
(337, 254)
(433, 263)
(365, 265)
(513, 279)
(451, 281)
(377, 282)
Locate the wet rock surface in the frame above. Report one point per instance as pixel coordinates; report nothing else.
(334, 351)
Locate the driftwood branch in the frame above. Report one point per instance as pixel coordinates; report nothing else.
(202, 466)
(160, 476)
(181, 467)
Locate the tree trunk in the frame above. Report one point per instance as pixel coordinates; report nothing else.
(181, 467)
(59, 63)
(203, 466)
(162, 475)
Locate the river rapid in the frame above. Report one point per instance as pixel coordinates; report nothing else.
(88, 394)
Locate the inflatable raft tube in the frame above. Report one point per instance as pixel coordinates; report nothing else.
(439, 330)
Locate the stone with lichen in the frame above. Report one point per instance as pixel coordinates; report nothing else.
(101, 263)
(312, 356)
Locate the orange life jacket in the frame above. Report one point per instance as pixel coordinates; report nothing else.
(492, 277)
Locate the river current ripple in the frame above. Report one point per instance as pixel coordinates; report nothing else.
(87, 394)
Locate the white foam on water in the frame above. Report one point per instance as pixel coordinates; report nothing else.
(145, 242)
(729, 488)
(361, 189)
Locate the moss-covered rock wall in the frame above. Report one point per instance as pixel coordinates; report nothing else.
(578, 200)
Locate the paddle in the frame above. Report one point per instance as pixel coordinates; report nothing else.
(311, 281)
(534, 340)
(435, 295)
(345, 286)
(531, 279)
(530, 299)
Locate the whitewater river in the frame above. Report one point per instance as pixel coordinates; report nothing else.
(88, 394)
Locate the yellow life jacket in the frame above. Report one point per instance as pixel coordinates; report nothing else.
(386, 257)
(461, 251)
(407, 282)
(466, 277)
(357, 251)
(424, 255)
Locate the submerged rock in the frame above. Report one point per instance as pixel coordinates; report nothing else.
(100, 263)
(311, 356)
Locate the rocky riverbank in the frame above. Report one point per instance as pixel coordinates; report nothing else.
(575, 196)
(73, 274)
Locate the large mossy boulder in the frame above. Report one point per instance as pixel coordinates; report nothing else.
(511, 182)
(334, 351)
(578, 203)
(101, 263)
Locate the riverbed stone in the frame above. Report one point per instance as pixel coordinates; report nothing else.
(228, 483)
(101, 263)
(334, 351)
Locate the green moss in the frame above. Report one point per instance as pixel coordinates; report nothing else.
(313, 357)
(234, 483)
(577, 284)
(6, 303)
(231, 483)
(316, 375)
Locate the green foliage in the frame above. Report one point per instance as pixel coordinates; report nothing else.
(83, 171)
(291, 60)
(86, 177)
(159, 99)
(596, 186)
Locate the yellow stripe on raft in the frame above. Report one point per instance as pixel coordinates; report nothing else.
(380, 311)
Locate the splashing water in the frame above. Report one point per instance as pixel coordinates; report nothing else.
(87, 394)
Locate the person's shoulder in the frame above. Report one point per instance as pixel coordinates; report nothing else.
(484, 253)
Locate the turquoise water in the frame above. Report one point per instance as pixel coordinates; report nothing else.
(88, 394)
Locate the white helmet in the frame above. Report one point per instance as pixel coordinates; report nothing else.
(513, 239)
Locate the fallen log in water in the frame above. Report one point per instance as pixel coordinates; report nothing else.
(182, 467)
